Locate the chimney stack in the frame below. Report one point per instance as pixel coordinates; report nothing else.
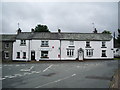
(59, 31)
(32, 30)
(95, 31)
(19, 31)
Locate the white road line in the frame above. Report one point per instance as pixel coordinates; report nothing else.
(55, 81)
(27, 69)
(47, 68)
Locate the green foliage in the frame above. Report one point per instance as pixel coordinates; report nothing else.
(41, 28)
(118, 38)
(106, 32)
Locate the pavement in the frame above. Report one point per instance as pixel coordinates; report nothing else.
(68, 74)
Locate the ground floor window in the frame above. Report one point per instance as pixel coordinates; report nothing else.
(70, 52)
(44, 54)
(104, 53)
(18, 54)
(89, 52)
(24, 55)
(6, 55)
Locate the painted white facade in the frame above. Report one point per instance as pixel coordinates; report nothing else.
(57, 50)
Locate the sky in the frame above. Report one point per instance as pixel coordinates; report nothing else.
(68, 16)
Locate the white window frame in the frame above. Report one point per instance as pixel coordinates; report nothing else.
(70, 52)
(23, 42)
(44, 43)
(87, 44)
(71, 42)
(17, 55)
(104, 53)
(89, 52)
(103, 44)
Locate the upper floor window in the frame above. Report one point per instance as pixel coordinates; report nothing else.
(71, 42)
(44, 44)
(104, 53)
(23, 42)
(6, 45)
(89, 52)
(87, 44)
(103, 44)
(70, 52)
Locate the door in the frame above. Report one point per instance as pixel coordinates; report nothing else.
(32, 55)
(80, 55)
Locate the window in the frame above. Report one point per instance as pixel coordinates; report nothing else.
(23, 42)
(44, 54)
(6, 55)
(24, 55)
(87, 44)
(103, 44)
(104, 53)
(70, 52)
(89, 52)
(71, 42)
(18, 54)
(6, 45)
(44, 43)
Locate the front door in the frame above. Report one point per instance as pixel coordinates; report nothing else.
(32, 55)
(80, 55)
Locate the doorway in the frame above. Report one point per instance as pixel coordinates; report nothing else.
(32, 55)
(80, 54)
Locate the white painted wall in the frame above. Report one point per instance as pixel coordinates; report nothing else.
(18, 48)
(35, 45)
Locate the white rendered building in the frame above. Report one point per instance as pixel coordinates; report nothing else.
(62, 46)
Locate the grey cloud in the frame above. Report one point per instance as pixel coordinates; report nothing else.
(69, 17)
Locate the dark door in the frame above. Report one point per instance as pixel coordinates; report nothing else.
(32, 55)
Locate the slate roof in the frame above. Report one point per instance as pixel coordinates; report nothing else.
(7, 37)
(65, 36)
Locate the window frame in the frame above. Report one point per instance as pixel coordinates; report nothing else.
(104, 53)
(44, 43)
(89, 52)
(24, 55)
(103, 44)
(7, 56)
(71, 43)
(18, 55)
(43, 56)
(70, 52)
(23, 42)
(88, 44)
(6, 45)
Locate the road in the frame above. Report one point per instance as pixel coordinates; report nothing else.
(68, 74)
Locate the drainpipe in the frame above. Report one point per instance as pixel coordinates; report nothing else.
(29, 50)
(60, 49)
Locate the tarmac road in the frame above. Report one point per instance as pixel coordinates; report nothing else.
(68, 74)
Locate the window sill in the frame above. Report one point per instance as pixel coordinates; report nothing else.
(103, 47)
(22, 44)
(88, 47)
(44, 46)
(103, 56)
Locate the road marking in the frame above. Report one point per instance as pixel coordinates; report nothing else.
(55, 81)
(2, 78)
(17, 65)
(47, 68)
(27, 69)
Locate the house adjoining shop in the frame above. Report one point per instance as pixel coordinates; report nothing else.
(62, 46)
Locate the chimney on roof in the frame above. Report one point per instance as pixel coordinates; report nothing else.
(95, 31)
(59, 31)
(19, 31)
(32, 30)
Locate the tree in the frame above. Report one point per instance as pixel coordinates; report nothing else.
(106, 32)
(118, 38)
(41, 28)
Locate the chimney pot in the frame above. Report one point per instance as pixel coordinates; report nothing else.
(59, 31)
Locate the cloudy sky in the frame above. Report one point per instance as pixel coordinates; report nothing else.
(68, 16)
